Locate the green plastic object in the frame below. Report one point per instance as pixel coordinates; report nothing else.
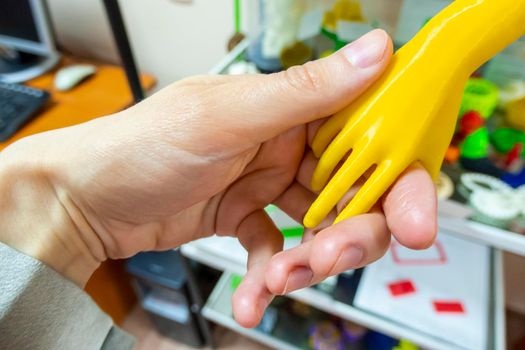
(338, 43)
(235, 281)
(329, 34)
(271, 209)
(237, 15)
(293, 230)
(504, 139)
(481, 96)
(476, 145)
(290, 232)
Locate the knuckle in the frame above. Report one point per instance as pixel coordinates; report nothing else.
(305, 78)
(278, 263)
(327, 253)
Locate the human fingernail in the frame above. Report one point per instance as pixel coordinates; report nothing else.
(298, 278)
(350, 258)
(367, 50)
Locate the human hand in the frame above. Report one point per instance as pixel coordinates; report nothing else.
(205, 156)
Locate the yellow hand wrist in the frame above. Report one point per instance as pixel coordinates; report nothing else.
(466, 34)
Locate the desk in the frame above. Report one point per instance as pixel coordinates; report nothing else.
(104, 93)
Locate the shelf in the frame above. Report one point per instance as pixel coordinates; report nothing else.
(226, 254)
(494, 237)
(218, 309)
(325, 302)
(498, 298)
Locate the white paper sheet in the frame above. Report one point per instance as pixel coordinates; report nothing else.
(453, 270)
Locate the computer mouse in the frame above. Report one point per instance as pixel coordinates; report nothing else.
(69, 77)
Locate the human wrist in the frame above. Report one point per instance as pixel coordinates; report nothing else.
(36, 219)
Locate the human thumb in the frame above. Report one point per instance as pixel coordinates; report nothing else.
(270, 104)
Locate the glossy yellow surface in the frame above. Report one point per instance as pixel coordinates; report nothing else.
(410, 114)
(516, 114)
(343, 10)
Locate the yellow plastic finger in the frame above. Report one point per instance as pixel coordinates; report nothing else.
(329, 161)
(353, 168)
(368, 195)
(327, 133)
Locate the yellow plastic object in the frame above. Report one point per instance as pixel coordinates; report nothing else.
(516, 114)
(406, 345)
(410, 114)
(343, 10)
(297, 54)
(348, 10)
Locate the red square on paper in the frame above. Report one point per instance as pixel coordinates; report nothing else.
(448, 306)
(401, 288)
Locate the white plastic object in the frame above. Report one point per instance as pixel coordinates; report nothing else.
(69, 77)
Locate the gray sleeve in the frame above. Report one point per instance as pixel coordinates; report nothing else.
(39, 309)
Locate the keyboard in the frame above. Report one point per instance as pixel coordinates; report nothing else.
(18, 104)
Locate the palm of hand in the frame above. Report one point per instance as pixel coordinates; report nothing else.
(214, 194)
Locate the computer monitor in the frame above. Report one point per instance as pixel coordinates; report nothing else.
(26, 30)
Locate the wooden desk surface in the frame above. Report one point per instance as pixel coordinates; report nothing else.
(104, 93)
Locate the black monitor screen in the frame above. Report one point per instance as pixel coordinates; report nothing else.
(17, 21)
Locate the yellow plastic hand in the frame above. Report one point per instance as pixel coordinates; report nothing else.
(410, 114)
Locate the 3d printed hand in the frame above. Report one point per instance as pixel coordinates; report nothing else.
(410, 114)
